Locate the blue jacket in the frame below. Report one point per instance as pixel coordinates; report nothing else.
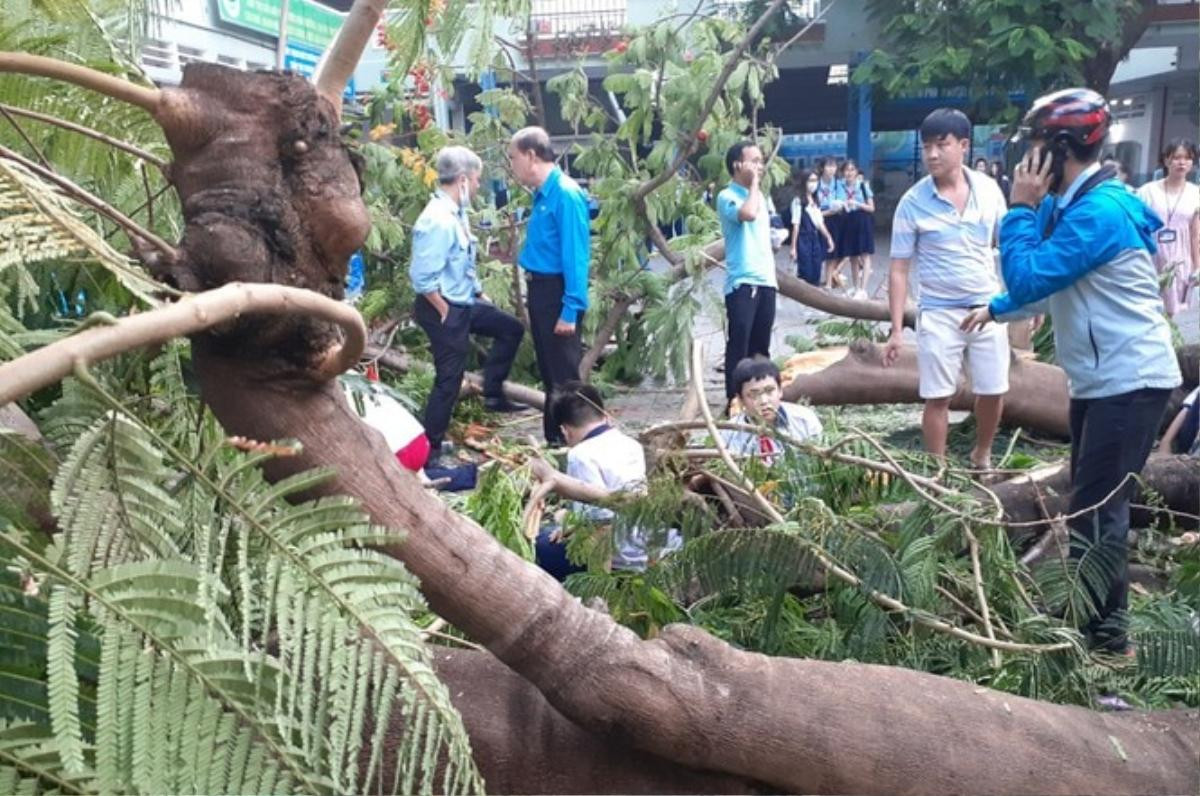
(1098, 282)
(558, 240)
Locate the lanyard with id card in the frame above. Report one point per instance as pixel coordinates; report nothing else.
(1167, 236)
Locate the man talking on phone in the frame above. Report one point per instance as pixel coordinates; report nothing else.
(1076, 240)
(750, 282)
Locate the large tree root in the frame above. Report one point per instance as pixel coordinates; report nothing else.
(802, 726)
(1036, 400)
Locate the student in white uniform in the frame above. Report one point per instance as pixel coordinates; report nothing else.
(601, 456)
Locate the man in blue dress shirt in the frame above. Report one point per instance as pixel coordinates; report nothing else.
(750, 282)
(556, 256)
(450, 304)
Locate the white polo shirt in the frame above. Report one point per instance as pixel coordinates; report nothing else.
(954, 257)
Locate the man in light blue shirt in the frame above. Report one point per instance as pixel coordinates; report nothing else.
(947, 224)
(556, 257)
(750, 283)
(450, 304)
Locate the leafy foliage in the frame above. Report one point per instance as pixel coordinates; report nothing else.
(984, 51)
(247, 644)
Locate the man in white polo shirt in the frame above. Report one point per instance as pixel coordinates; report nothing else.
(947, 223)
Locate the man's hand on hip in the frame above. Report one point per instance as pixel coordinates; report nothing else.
(564, 329)
(976, 319)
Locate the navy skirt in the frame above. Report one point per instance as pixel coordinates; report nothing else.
(834, 224)
(857, 234)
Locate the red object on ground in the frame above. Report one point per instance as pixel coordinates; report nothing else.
(414, 455)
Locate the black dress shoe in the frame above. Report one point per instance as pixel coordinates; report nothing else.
(503, 405)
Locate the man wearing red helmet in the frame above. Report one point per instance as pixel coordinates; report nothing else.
(1078, 244)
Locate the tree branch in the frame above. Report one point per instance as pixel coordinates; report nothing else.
(828, 4)
(685, 146)
(147, 99)
(4, 109)
(335, 69)
(89, 132)
(131, 227)
(192, 314)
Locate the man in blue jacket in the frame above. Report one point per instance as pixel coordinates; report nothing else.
(1084, 252)
(556, 256)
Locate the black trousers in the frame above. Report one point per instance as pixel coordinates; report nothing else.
(557, 356)
(450, 341)
(1110, 438)
(750, 311)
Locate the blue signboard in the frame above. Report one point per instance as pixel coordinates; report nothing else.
(303, 60)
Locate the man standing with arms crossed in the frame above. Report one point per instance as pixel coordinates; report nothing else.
(750, 283)
(947, 223)
(556, 256)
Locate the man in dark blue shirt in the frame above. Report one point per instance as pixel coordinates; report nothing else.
(556, 256)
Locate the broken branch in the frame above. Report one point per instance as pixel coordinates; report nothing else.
(192, 314)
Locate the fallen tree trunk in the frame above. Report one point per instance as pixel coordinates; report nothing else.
(801, 726)
(523, 745)
(1175, 480)
(1036, 400)
(472, 382)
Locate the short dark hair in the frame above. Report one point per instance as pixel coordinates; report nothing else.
(753, 369)
(575, 404)
(1174, 144)
(535, 140)
(734, 153)
(943, 122)
(825, 161)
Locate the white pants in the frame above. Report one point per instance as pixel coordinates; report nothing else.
(941, 346)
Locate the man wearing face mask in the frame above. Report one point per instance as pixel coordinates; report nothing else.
(450, 303)
(1078, 242)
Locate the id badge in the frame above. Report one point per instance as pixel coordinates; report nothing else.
(1166, 236)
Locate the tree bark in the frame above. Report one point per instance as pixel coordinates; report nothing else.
(1175, 479)
(522, 744)
(1098, 70)
(797, 725)
(1036, 399)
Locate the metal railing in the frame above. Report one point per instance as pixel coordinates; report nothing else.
(553, 19)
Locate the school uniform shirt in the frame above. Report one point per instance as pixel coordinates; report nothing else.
(954, 258)
(558, 240)
(443, 252)
(798, 422)
(749, 257)
(612, 460)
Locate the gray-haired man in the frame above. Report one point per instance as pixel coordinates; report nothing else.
(450, 304)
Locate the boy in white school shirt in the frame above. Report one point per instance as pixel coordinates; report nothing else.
(600, 456)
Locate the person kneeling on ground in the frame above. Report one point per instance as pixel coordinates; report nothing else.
(757, 385)
(601, 462)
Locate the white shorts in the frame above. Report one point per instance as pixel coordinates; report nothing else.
(940, 349)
